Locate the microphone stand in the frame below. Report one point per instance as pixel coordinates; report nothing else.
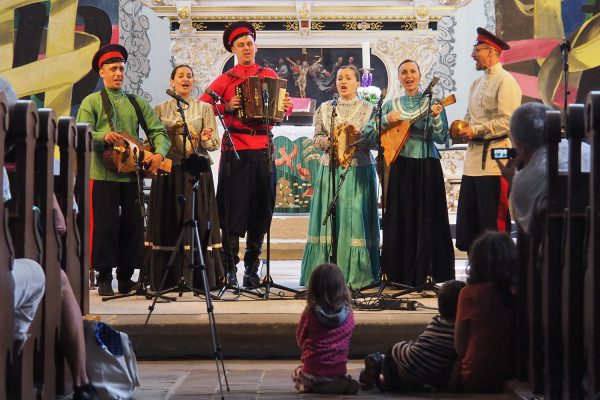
(267, 282)
(183, 284)
(140, 289)
(230, 146)
(383, 281)
(565, 48)
(332, 166)
(422, 238)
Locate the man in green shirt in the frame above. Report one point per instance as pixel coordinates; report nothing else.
(117, 223)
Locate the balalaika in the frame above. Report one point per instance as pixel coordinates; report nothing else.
(252, 106)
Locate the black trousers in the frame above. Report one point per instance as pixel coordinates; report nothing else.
(482, 205)
(117, 229)
(245, 199)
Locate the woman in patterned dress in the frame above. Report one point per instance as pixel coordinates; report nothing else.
(165, 212)
(357, 224)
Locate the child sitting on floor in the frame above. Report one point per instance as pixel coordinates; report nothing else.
(324, 333)
(485, 317)
(427, 361)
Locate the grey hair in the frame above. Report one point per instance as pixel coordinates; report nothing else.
(527, 125)
(9, 92)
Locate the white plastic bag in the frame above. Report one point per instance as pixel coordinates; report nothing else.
(111, 363)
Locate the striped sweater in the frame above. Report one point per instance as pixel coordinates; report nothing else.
(428, 359)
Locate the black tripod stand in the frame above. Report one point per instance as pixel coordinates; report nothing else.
(267, 282)
(190, 227)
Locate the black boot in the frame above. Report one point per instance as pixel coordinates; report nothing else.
(251, 278)
(229, 256)
(254, 242)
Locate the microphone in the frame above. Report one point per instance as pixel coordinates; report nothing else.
(217, 97)
(429, 88)
(335, 100)
(565, 48)
(177, 97)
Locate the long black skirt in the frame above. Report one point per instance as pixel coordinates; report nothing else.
(416, 234)
(166, 218)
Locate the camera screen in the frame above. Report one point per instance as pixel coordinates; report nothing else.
(500, 153)
(503, 153)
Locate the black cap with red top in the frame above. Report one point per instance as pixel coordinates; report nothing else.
(485, 36)
(109, 53)
(235, 31)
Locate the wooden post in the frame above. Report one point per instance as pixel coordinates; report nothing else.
(23, 133)
(572, 282)
(44, 194)
(592, 273)
(6, 260)
(552, 263)
(82, 196)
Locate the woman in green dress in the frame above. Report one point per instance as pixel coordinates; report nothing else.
(417, 244)
(357, 222)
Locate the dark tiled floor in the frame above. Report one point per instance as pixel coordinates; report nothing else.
(248, 379)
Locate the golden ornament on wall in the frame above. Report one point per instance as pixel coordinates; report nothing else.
(317, 26)
(291, 26)
(422, 11)
(183, 13)
(199, 26)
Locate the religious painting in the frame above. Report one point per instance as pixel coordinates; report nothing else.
(311, 72)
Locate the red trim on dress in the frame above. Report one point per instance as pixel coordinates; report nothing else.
(91, 220)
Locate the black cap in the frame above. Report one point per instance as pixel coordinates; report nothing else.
(485, 36)
(235, 31)
(108, 54)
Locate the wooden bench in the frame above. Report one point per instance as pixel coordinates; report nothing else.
(6, 258)
(592, 272)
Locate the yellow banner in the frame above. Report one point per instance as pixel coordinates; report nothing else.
(68, 55)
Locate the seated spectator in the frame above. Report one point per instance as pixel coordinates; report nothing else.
(324, 333)
(422, 363)
(29, 284)
(527, 172)
(484, 332)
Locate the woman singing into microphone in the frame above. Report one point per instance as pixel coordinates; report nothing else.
(357, 224)
(416, 233)
(165, 212)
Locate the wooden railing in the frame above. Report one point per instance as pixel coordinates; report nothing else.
(558, 345)
(27, 138)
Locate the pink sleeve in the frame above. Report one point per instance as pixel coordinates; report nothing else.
(301, 331)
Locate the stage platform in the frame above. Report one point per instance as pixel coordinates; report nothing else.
(253, 327)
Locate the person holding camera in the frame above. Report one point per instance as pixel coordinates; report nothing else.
(526, 172)
(166, 191)
(483, 203)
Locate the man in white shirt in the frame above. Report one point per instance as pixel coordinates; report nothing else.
(483, 202)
